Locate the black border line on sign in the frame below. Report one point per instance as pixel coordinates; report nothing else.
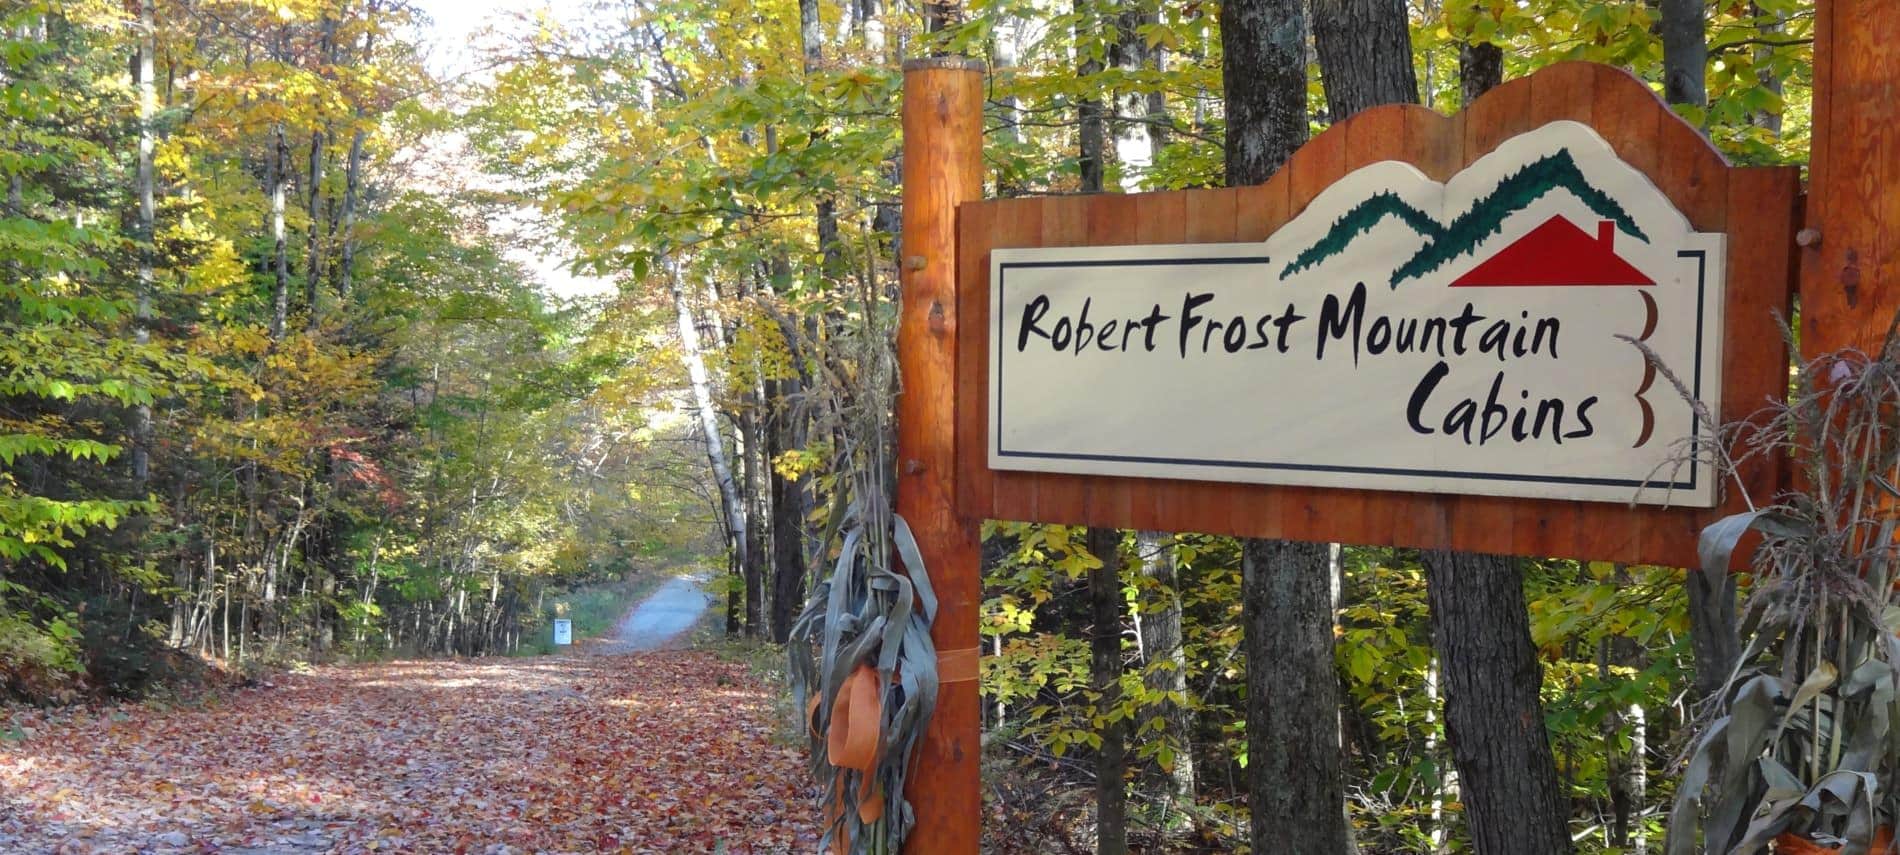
(996, 398)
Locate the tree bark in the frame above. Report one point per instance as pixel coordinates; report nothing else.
(1105, 672)
(1090, 131)
(1713, 633)
(312, 246)
(1494, 719)
(1480, 69)
(1685, 51)
(1772, 26)
(791, 497)
(279, 177)
(1165, 662)
(1159, 124)
(1295, 796)
(1365, 55)
(760, 512)
(1005, 54)
(701, 383)
(148, 227)
(1264, 44)
(1627, 774)
(353, 174)
(791, 507)
(1128, 53)
(313, 191)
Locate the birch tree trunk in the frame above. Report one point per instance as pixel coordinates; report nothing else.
(148, 226)
(701, 383)
(1165, 661)
(280, 265)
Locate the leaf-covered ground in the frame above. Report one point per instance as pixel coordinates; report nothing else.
(656, 752)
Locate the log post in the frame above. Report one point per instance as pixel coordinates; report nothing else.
(1850, 257)
(943, 167)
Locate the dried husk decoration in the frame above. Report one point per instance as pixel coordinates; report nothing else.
(1799, 749)
(864, 670)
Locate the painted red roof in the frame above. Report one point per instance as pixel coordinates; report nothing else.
(1557, 253)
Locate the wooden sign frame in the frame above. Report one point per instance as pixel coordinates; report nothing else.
(945, 488)
(1754, 206)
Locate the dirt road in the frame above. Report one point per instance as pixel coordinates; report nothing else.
(666, 751)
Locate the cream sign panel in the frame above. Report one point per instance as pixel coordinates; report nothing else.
(1469, 337)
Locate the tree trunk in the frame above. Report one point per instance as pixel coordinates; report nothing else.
(701, 383)
(791, 497)
(755, 457)
(148, 230)
(1447, 789)
(1294, 792)
(1006, 53)
(1685, 51)
(1365, 55)
(313, 191)
(1772, 27)
(1628, 778)
(1264, 44)
(1713, 633)
(1105, 673)
(1090, 132)
(1165, 663)
(1128, 53)
(353, 176)
(791, 509)
(1494, 719)
(280, 261)
(1506, 774)
(1480, 68)
(1159, 124)
(1295, 795)
(1104, 582)
(313, 252)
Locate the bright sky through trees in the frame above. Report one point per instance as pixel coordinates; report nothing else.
(458, 39)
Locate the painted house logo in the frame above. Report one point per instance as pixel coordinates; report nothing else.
(1468, 336)
(1557, 253)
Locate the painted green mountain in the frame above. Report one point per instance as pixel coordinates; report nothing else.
(1360, 220)
(1461, 236)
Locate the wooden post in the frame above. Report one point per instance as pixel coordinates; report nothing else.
(943, 167)
(1850, 260)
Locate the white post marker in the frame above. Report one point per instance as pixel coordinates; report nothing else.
(563, 632)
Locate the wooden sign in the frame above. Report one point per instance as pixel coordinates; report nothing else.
(1709, 243)
(1478, 336)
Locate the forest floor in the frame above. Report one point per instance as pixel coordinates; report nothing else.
(600, 750)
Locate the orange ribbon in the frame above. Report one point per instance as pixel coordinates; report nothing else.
(857, 724)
